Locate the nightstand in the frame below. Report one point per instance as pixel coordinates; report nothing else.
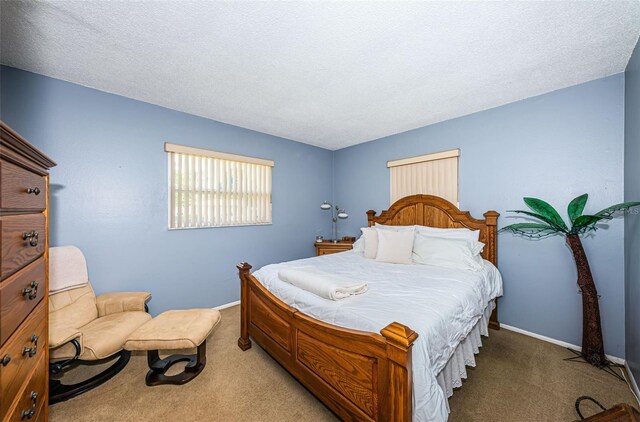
(328, 246)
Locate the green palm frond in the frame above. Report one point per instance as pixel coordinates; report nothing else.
(545, 213)
(607, 213)
(539, 217)
(576, 206)
(543, 208)
(531, 230)
(585, 223)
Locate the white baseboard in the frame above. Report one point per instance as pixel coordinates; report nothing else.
(227, 305)
(632, 381)
(613, 359)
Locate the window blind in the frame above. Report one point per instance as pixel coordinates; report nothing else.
(431, 174)
(216, 189)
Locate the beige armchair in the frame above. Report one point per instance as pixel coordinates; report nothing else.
(84, 327)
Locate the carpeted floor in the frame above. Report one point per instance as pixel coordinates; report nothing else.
(518, 378)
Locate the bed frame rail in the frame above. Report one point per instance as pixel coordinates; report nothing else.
(358, 375)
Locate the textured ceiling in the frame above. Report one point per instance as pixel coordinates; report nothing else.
(331, 74)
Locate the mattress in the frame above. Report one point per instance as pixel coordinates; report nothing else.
(447, 307)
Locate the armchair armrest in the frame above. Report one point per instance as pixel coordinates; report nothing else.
(62, 335)
(111, 303)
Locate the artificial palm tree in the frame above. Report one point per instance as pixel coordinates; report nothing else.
(551, 223)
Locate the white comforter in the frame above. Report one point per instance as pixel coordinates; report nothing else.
(441, 304)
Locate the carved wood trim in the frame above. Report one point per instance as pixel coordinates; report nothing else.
(429, 210)
(16, 149)
(357, 374)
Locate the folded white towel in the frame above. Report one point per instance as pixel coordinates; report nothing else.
(325, 285)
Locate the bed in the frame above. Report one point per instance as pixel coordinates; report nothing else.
(362, 374)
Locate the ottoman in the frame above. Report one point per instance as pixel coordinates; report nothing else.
(172, 330)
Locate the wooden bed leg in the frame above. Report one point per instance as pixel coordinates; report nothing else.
(493, 321)
(244, 342)
(400, 340)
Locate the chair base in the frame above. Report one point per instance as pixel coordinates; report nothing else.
(158, 367)
(59, 392)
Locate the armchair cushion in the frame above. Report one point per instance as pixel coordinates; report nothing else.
(73, 308)
(111, 303)
(59, 335)
(176, 329)
(65, 351)
(105, 336)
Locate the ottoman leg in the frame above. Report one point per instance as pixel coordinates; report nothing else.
(158, 367)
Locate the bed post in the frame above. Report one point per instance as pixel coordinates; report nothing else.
(370, 215)
(244, 342)
(400, 340)
(491, 220)
(492, 243)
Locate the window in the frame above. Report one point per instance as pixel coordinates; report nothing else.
(216, 189)
(432, 174)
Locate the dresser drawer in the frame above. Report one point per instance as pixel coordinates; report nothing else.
(19, 294)
(40, 414)
(28, 403)
(326, 248)
(329, 251)
(19, 364)
(21, 188)
(23, 240)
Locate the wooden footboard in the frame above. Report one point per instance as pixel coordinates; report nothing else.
(358, 375)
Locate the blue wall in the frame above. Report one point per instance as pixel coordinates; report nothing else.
(555, 146)
(632, 220)
(109, 191)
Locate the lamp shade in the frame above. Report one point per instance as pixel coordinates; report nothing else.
(325, 205)
(342, 214)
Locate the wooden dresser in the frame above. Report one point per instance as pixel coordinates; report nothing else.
(328, 246)
(24, 218)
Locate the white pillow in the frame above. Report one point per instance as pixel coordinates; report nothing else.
(370, 236)
(461, 233)
(395, 247)
(448, 252)
(395, 228)
(358, 245)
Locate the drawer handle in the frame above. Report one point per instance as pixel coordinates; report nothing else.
(32, 236)
(35, 191)
(31, 292)
(28, 414)
(5, 360)
(31, 351)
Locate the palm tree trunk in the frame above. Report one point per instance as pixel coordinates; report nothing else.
(592, 344)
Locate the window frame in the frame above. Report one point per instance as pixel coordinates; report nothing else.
(228, 160)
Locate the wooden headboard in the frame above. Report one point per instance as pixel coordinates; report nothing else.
(433, 211)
